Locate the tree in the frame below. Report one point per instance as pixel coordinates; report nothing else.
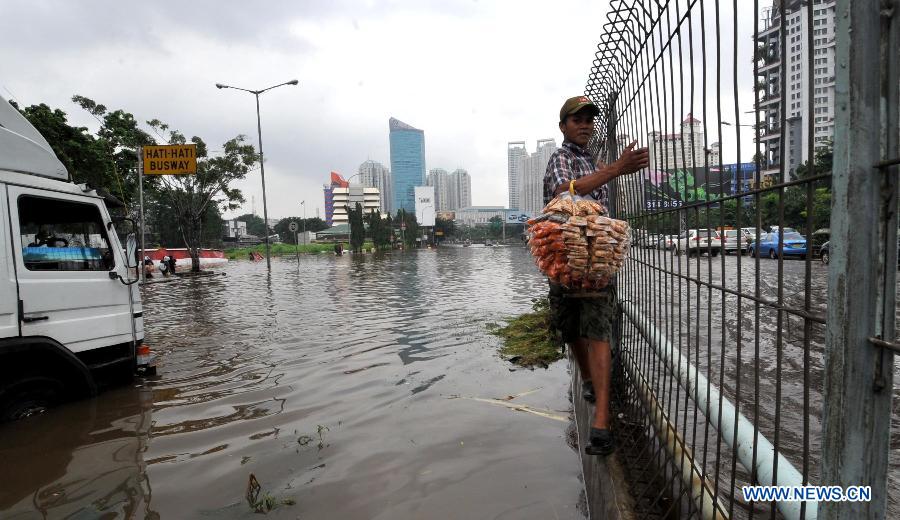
(379, 229)
(357, 227)
(412, 227)
(446, 227)
(255, 224)
(191, 195)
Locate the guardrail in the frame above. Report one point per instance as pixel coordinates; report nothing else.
(736, 370)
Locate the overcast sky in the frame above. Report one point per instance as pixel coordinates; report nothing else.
(472, 74)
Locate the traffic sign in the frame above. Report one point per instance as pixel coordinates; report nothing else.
(403, 226)
(293, 227)
(170, 159)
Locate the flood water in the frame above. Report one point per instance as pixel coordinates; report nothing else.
(358, 388)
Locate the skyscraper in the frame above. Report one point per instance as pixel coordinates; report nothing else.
(407, 162)
(792, 100)
(373, 174)
(515, 152)
(685, 149)
(532, 168)
(460, 189)
(440, 179)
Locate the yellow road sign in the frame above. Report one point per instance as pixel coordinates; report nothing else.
(170, 159)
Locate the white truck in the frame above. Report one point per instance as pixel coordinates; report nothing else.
(70, 314)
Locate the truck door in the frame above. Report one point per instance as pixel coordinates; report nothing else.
(64, 254)
(9, 318)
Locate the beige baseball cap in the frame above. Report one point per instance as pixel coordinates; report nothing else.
(575, 104)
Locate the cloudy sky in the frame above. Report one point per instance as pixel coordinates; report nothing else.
(472, 74)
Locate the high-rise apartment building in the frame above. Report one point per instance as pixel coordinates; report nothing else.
(460, 189)
(440, 179)
(791, 101)
(533, 166)
(515, 152)
(685, 149)
(373, 174)
(407, 162)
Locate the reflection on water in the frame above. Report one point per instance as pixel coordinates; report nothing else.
(340, 384)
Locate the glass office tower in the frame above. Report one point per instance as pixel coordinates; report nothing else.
(407, 163)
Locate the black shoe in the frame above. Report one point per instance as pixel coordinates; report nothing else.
(587, 391)
(601, 443)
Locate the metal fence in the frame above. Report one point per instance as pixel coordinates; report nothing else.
(770, 368)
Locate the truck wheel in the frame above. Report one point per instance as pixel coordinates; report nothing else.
(29, 396)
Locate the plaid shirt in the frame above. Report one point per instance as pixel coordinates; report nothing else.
(570, 162)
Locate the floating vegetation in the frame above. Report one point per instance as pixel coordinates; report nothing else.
(266, 502)
(528, 340)
(304, 439)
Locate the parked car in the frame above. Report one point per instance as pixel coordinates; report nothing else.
(699, 241)
(652, 241)
(824, 252)
(794, 245)
(736, 241)
(666, 242)
(750, 232)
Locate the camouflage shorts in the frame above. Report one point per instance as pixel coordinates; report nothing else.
(591, 318)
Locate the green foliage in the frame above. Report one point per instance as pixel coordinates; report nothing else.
(529, 340)
(448, 227)
(357, 227)
(412, 227)
(379, 230)
(255, 224)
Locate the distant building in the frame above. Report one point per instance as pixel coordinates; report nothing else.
(369, 198)
(460, 189)
(234, 229)
(407, 162)
(533, 166)
(685, 149)
(793, 98)
(373, 174)
(440, 179)
(515, 153)
(336, 182)
(479, 215)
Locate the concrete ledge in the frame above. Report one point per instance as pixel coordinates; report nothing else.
(604, 477)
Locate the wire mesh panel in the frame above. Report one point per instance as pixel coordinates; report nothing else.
(720, 363)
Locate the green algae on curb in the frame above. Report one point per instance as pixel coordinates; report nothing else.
(528, 340)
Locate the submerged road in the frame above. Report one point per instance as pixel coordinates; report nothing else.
(352, 388)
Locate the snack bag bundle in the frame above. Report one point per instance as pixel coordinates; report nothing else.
(576, 245)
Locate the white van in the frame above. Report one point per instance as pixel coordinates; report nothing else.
(70, 314)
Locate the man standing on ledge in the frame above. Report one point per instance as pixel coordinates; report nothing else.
(586, 323)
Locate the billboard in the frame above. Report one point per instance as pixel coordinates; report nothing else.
(424, 197)
(674, 188)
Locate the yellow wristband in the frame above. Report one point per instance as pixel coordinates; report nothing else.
(572, 187)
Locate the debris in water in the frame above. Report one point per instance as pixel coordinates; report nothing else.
(528, 340)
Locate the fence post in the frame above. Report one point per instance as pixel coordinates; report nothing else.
(861, 278)
(612, 153)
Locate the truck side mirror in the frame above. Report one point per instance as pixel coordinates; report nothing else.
(131, 251)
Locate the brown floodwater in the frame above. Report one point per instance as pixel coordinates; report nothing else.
(352, 388)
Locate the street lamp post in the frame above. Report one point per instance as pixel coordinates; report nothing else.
(423, 218)
(303, 205)
(262, 162)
